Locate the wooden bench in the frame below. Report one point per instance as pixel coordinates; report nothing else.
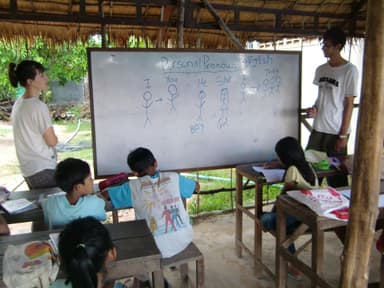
(191, 253)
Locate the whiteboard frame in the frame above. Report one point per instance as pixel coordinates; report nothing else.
(91, 96)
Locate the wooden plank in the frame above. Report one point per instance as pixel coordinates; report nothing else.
(239, 213)
(191, 253)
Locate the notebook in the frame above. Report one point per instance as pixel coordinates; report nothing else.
(18, 205)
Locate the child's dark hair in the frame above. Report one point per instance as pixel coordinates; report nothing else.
(336, 35)
(70, 172)
(140, 159)
(83, 247)
(23, 71)
(291, 153)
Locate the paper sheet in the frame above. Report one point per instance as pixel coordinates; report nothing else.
(347, 193)
(54, 241)
(381, 201)
(272, 175)
(324, 202)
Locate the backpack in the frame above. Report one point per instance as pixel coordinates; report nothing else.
(30, 265)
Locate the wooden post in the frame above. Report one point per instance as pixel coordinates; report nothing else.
(180, 23)
(103, 30)
(366, 169)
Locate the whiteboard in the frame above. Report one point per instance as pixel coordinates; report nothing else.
(193, 109)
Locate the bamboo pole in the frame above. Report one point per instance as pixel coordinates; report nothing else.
(366, 169)
(223, 25)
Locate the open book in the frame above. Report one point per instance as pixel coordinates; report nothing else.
(271, 175)
(18, 205)
(327, 202)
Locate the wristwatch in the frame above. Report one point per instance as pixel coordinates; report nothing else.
(343, 136)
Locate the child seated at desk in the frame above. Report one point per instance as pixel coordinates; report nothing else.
(157, 197)
(85, 247)
(74, 177)
(299, 175)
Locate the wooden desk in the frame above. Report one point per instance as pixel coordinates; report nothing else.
(247, 171)
(36, 215)
(137, 252)
(317, 225)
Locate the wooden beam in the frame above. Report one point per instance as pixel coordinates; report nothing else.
(356, 7)
(138, 13)
(367, 159)
(160, 38)
(82, 8)
(13, 6)
(222, 25)
(13, 14)
(103, 30)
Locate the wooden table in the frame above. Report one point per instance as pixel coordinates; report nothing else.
(137, 252)
(37, 215)
(248, 172)
(286, 205)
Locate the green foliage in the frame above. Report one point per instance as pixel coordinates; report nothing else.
(216, 202)
(226, 200)
(140, 42)
(65, 62)
(68, 62)
(270, 192)
(5, 130)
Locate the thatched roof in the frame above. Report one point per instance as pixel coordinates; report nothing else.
(157, 20)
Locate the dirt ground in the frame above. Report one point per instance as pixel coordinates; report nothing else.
(215, 237)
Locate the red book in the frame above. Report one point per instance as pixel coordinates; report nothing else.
(113, 180)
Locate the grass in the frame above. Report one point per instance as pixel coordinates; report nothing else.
(71, 126)
(5, 130)
(226, 200)
(83, 138)
(208, 179)
(84, 154)
(10, 169)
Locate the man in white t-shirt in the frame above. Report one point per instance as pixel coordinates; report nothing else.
(337, 81)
